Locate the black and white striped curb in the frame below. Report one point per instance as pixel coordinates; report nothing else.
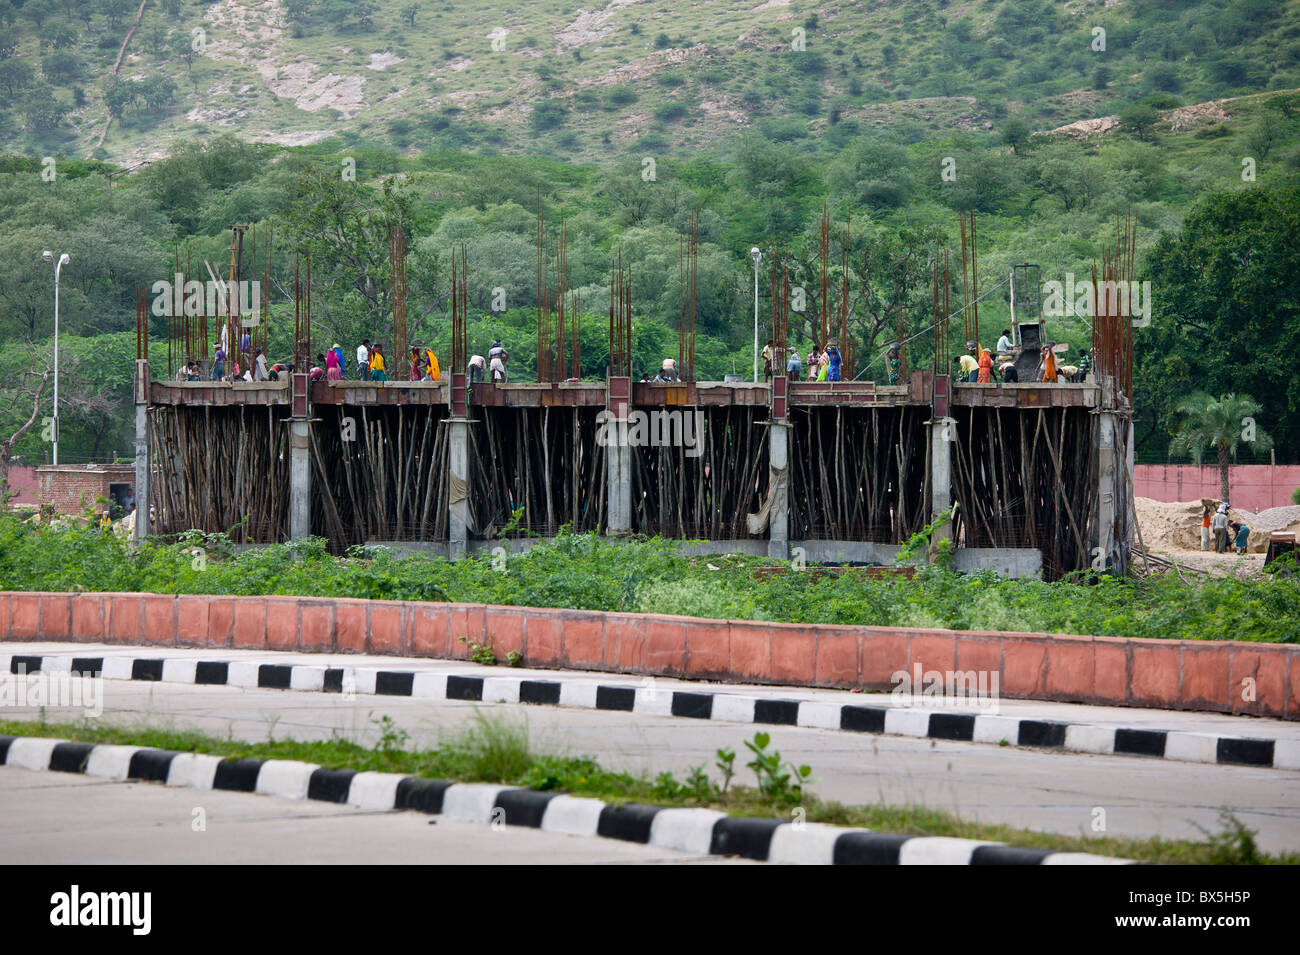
(697, 831)
(659, 701)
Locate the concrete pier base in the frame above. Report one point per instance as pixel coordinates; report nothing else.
(458, 502)
(299, 479)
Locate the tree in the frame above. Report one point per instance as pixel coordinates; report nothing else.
(872, 172)
(30, 388)
(1015, 133)
(115, 10)
(118, 95)
(1221, 424)
(409, 12)
(1139, 119)
(15, 75)
(157, 92)
(1225, 311)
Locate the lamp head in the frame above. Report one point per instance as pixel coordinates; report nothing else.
(63, 259)
(756, 255)
(47, 255)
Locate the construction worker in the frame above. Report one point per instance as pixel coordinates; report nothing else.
(432, 369)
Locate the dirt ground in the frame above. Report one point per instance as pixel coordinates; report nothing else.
(1173, 529)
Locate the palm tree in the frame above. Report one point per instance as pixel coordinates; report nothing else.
(1220, 423)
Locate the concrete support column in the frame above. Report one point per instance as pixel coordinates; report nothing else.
(618, 477)
(943, 435)
(299, 479)
(1107, 486)
(778, 456)
(141, 449)
(457, 505)
(618, 457)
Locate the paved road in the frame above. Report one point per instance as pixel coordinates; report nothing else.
(59, 818)
(1036, 789)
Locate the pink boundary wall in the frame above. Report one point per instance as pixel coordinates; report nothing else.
(1170, 674)
(1254, 487)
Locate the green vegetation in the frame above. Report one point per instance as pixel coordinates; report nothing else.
(1221, 424)
(753, 136)
(593, 573)
(496, 749)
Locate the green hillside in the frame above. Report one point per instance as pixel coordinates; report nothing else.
(557, 79)
(896, 116)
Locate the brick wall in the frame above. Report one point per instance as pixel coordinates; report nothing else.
(1254, 487)
(1171, 674)
(73, 488)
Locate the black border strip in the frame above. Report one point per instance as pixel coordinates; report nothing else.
(464, 687)
(954, 726)
(29, 665)
(1140, 742)
(629, 822)
(151, 765)
(540, 692)
(622, 698)
(523, 807)
(88, 666)
(868, 848)
(237, 775)
(1044, 733)
(148, 669)
(394, 682)
(70, 757)
(275, 676)
(696, 706)
(747, 838)
(330, 785)
(211, 673)
(1244, 752)
(421, 795)
(777, 712)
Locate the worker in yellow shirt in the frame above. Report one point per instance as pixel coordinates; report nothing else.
(377, 372)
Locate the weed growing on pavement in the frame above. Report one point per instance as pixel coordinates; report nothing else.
(498, 751)
(391, 738)
(481, 652)
(780, 781)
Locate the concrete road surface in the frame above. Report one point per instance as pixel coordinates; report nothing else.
(1053, 791)
(61, 818)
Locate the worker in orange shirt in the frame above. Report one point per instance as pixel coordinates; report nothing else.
(1049, 363)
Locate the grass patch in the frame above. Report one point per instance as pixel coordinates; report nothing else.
(498, 749)
(589, 572)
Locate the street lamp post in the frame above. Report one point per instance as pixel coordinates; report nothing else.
(48, 256)
(757, 256)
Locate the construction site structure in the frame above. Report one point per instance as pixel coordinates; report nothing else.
(1036, 477)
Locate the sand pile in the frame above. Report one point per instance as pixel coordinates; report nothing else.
(1175, 526)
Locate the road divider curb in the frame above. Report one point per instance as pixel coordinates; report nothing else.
(917, 722)
(696, 831)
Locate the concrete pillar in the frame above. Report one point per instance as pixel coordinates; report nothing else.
(141, 449)
(458, 507)
(1107, 486)
(141, 471)
(943, 435)
(778, 455)
(299, 479)
(618, 477)
(618, 456)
